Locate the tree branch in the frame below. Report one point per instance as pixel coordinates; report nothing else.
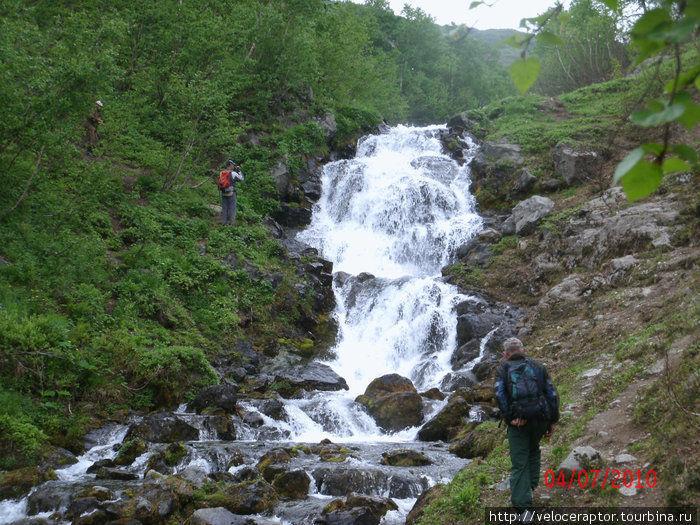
(29, 183)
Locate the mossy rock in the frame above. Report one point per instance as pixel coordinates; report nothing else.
(479, 442)
(174, 453)
(405, 458)
(129, 451)
(16, 483)
(245, 498)
(292, 485)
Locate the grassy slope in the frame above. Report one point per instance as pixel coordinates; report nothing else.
(650, 319)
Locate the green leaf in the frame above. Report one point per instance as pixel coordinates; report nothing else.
(564, 17)
(691, 115)
(649, 117)
(684, 80)
(547, 37)
(650, 22)
(612, 4)
(629, 162)
(475, 4)
(697, 83)
(512, 41)
(686, 152)
(524, 73)
(675, 165)
(641, 180)
(653, 147)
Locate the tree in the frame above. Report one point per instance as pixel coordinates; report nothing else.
(659, 34)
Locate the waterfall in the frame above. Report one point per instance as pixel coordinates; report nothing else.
(389, 220)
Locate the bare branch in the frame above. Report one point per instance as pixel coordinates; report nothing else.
(29, 183)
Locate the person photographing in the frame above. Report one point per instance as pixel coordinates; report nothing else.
(227, 186)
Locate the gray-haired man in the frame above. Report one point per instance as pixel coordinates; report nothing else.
(530, 406)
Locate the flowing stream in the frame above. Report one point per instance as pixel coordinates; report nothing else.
(389, 220)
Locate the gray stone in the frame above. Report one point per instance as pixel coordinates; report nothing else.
(215, 516)
(575, 166)
(312, 376)
(529, 212)
(584, 457)
(625, 458)
(526, 181)
(280, 174)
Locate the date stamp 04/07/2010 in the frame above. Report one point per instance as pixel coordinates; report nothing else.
(596, 478)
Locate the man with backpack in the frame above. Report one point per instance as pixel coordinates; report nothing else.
(529, 405)
(227, 186)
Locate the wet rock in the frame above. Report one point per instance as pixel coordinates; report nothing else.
(312, 376)
(446, 424)
(129, 451)
(354, 510)
(484, 368)
(48, 499)
(162, 428)
(425, 499)
(340, 481)
(155, 501)
(248, 498)
(405, 458)
(332, 453)
(465, 354)
(15, 483)
(58, 458)
(274, 462)
(393, 402)
(222, 396)
(97, 465)
(116, 473)
(222, 426)
(292, 485)
(215, 516)
(356, 516)
(478, 442)
(434, 393)
(195, 476)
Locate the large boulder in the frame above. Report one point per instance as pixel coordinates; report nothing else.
(248, 498)
(574, 165)
(222, 396)
(447, 423)
(529, 212)
(340, 481)
(405, 458)
(393, 402)
(478, 442)
(162, 428)
(18, 482)
(495, 171)
(292, 485)
(312, 376)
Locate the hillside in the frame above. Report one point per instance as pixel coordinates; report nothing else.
(610, 296)
(122, 295)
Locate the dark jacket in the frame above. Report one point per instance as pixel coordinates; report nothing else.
(543, 381)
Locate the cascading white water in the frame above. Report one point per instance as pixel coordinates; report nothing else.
(397, 211)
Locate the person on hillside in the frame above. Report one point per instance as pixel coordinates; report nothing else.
(529, 405)
(92, 121)
(227, 186)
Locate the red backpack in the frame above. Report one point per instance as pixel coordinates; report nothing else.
(225, 180)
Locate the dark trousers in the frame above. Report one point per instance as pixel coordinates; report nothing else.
(524, 443)
(228, 209)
